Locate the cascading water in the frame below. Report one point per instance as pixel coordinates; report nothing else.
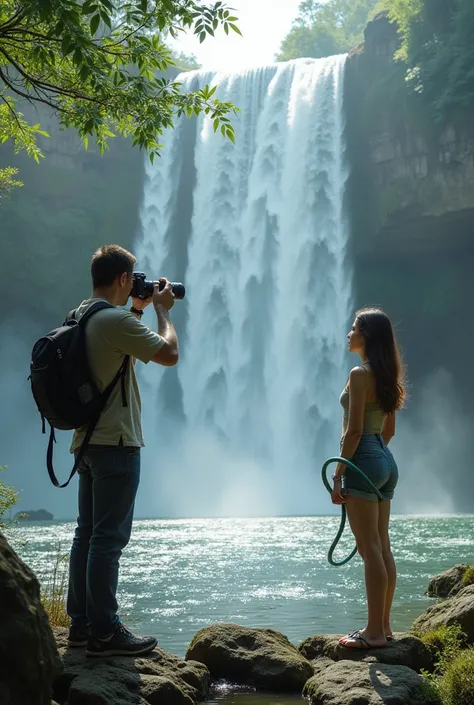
(258, 232)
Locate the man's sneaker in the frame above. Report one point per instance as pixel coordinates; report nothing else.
(121, 643)
(77, 637)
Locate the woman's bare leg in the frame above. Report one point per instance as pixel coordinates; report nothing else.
(384, 520)
(363, 518)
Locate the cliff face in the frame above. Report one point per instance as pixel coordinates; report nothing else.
(417, 175)
(411, 203)
(71, 203)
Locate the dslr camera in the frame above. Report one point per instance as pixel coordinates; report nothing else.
(142, 288)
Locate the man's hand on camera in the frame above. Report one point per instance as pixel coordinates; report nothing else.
(141, 304)
(165, 297)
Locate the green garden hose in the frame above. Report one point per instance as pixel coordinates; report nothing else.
(370, 486)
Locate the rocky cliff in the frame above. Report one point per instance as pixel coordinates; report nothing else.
(417, 175)
(411, 205)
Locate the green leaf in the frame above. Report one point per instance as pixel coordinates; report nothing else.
(94, 23)
(202, 37)
(226, 28)
(216, 124)
(235, 28)
(106, 19)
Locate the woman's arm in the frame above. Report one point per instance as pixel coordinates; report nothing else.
(388, 429)
(358, 386)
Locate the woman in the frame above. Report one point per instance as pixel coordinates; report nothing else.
(374, 392)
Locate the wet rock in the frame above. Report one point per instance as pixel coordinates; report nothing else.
(353, 683)
(29, 660)
(454, 610)
(405, 650)
(263, 658)
(159, 678)
(448, 583)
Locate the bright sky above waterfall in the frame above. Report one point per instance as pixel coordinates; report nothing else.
(263, 23)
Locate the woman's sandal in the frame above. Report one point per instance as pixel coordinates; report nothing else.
(361, 643)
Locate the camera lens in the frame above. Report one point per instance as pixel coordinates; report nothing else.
(177, 288)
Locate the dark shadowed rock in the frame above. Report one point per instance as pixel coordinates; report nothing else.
(449, 583)
(405, 650)
(29, 660)
(454, 610)
(156, 679)
(352, 683)
(263, 658)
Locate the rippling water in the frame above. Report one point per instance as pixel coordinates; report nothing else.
(178, 576)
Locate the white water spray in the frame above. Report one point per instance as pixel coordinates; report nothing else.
(258, 233)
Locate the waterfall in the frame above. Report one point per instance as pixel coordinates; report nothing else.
(258, 233)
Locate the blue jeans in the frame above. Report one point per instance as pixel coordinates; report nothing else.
(376, 461)
(108, 483)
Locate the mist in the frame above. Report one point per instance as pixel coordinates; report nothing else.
(196, 475)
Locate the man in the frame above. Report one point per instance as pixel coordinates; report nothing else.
(109, 471)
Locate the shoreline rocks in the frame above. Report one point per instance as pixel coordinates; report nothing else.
(449, 583)
(159, 678)
(263, 658)
(360, 683)
(29, 660)
(406, 650)
(454, 610)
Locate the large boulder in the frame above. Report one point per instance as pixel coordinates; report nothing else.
(29, 660)
(454, 610)
(262, 658)
(449, 583)
(405, 650)
(156, 679)
(352, 683)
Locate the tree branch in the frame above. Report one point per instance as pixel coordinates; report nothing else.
(29, 98)
(49, 86)
(13, 21)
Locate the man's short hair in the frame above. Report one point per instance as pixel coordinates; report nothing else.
(108, 263)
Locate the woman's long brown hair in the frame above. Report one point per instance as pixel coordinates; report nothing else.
(382, 352)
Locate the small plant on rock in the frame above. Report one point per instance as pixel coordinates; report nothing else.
(446, 643)
(468, 577)
(456, 686)
(53, 591)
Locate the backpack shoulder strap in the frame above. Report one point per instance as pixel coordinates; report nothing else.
(93, 308)
(71, 316)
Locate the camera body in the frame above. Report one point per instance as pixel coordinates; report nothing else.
(142, 288)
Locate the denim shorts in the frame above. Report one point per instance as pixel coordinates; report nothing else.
(376, 461)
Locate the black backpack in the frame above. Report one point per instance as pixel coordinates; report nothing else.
(63, 386)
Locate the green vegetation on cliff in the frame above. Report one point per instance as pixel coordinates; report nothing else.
(327, 28)
(438, 50)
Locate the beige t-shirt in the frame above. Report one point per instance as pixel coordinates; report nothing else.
(111, 334)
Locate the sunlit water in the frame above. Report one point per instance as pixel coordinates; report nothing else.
(178, 576)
